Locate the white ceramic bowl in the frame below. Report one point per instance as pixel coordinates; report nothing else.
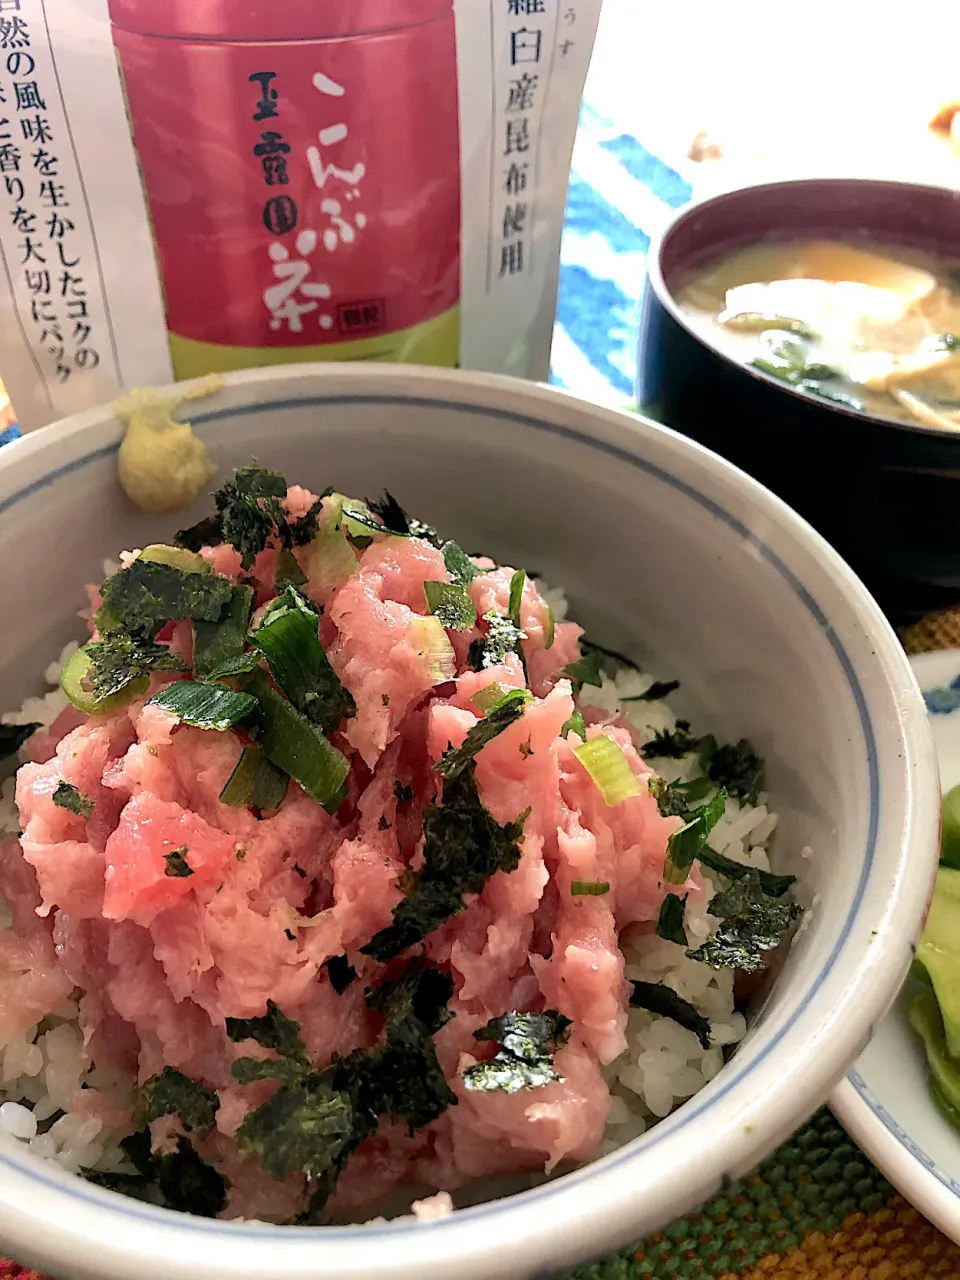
(667, 552)
(885, 1101)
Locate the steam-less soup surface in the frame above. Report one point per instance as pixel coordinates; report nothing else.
(870, 326)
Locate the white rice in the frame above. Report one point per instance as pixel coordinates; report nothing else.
(662, 1065)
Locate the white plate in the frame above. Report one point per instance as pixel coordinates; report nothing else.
(884, 1102)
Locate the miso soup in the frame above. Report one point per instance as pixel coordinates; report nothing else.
(869, 326)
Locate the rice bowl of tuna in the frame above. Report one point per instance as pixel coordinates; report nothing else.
(348, 881)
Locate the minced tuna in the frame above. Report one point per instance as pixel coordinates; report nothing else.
(350, 865)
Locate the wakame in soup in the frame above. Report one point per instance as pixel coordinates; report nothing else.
(868, 326)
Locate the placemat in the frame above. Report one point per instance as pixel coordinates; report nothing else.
(817, 1208)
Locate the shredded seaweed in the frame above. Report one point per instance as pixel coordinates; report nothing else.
(271, 1030)
(752, 923)
(662, 1000)
(457, 758)
(463, 847)
(341, 973)
(317, 1118)
(451, 604)
(141, 599)
(738, 770)
(250, 508)
(66, 796)
(774, 885)
(502, 637)
(177, 866)
(120, 661)
(524, 1059)
(13, 736)
(170, 1092)
(219, 648)
(671, 744)
(184, 1181)
(208, 532)
(659, 690)
(460, 567)
(395, 519)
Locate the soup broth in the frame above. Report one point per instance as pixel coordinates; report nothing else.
(870, 326)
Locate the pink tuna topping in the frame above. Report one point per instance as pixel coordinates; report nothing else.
(174, 912)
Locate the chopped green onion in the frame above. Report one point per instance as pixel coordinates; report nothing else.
(488, 697)
(685, 845)
(289, 639)
(460, 567)
(451, 605)
(585, 670)
(218, 647)
(575, 725)
(609, 768)
(255, 783)
(550, 629)
(13, 736)
(696, 788)
(295, 744)
(329, 558)
(75, 681)
(670, 922)
(357, 520)
(589, 888)
(289, 573)
(176, 558)
(428, 636)
(517, 583)
(495, 695)
(205, 706)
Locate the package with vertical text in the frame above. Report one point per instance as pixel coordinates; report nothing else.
(197, 186)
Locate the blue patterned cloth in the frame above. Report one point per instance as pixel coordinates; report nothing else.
(620, 194)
